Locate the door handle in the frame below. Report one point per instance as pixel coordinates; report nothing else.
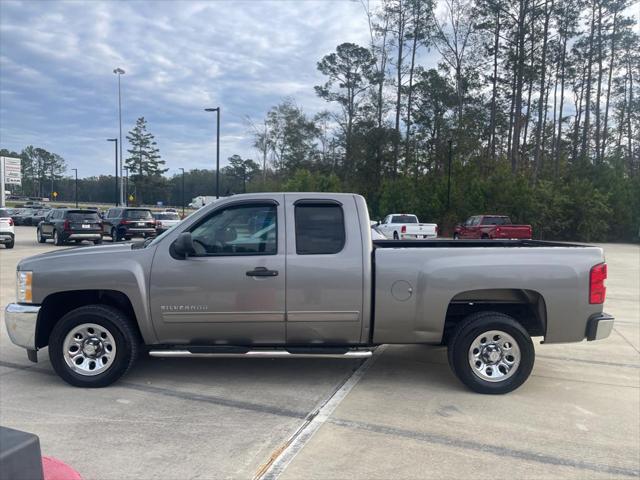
(262, 272)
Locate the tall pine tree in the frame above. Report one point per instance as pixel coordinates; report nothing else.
(144, 161)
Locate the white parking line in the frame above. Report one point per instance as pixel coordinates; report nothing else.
(283, 455)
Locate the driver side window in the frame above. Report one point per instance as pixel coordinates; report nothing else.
(238, 230)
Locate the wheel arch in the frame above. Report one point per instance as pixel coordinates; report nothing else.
(527, 307)
(58, 304)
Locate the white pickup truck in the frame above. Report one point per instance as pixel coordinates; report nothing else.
(403, 226)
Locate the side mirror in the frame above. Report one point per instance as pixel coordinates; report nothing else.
(183, 245)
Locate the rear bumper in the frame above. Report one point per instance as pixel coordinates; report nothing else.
(6, 237)
(409, 236)
(599, 326)
(21, 323)
(84, 236)
(139, 231)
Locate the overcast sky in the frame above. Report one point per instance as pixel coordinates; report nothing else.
(57, 89)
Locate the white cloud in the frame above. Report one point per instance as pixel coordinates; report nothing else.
(57, 89)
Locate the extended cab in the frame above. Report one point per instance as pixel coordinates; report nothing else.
(404, 226)
(491, 227)
(286, 274)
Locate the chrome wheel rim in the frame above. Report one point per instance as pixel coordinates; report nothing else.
(89, 349)
(494, 356)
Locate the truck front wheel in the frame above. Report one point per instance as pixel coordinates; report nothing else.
(93, 346)
(490, 352)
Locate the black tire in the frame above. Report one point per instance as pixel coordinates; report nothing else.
(456, 236)
(471, 328)
(41, 238)
(10, 244)
(97, 242)
(57, 239)
(127, 344)
(395, 236)
(127, 238)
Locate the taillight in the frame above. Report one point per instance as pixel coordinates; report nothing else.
(403, 229)
(498, 230)
(11, 222)
(597, 289)
(67, 225)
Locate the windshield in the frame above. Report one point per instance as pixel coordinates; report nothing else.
(4, 213)
(138, 214)
(404, 219)
(80, 216)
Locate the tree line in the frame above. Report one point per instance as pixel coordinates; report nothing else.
(531, 107)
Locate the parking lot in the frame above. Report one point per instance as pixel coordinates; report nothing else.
(401, 414)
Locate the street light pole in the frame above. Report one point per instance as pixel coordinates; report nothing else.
(182, 191)
(117, 184)
(126, 187)
(119, 71)
(76, 170)
(217, 110)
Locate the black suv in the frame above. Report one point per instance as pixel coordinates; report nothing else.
(64, 224)
(124, 223)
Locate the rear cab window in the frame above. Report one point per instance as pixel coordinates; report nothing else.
(496, 220)
(404, 219)
(319, 228)
(138, 214)
(82, 216)
(167, 216)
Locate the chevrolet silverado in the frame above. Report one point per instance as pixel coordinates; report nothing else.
(298, 274)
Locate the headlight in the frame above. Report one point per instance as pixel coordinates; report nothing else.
(23, 288)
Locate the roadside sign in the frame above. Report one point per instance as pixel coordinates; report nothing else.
(12, 170)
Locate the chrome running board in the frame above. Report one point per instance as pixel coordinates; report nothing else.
(259, 354)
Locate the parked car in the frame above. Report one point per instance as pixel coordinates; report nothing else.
(38, 215)
(165, 220)
(65, 224)
(303, 283)
(7, 232)
(23, 216)
(403, 226)
(491, 227)
(124, 223)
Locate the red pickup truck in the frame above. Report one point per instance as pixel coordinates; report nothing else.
(491, 227)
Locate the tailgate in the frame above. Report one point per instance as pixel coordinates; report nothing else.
(514, 231)
(421, 228)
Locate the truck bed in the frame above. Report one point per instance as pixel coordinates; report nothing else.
(470, 243)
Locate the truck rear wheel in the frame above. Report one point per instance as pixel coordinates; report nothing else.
(492, 353)
(93, 346)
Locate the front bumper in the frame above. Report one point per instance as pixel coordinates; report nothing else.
(21, 323)
(599, 326)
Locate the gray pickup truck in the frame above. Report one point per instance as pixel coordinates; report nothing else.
(297, 274)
